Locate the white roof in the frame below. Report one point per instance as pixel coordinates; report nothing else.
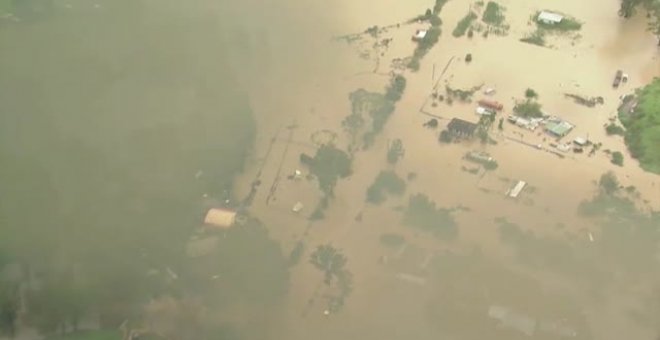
(550, 17)
(420, 34)
(517, 189)
(220, 218)
(580, 140)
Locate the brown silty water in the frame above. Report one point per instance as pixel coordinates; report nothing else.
(311, 92)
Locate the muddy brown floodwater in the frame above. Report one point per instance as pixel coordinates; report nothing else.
(310, 94)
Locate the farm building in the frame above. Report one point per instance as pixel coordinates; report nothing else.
(549, 18)
(461, 128)
(558, 127)
(220, 218)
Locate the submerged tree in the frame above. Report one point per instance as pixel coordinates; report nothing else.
(329, 260)
(395, 152)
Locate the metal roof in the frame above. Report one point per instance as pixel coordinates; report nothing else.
(550, 17)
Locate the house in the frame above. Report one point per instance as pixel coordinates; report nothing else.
(220, 218)
(419, 35)
(461, 128)
(549, 18)
(558, 127)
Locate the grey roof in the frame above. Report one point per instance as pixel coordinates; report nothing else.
(462, 126)
(550, 17)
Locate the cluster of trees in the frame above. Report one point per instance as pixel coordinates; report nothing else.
(423, 213)
(629, 8)
(378, 106)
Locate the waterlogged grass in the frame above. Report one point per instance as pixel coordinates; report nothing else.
(643, 128)
(464, 24)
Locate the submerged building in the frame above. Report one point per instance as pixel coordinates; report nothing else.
(462, 128)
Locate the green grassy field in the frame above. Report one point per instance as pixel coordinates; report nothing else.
(643, 128)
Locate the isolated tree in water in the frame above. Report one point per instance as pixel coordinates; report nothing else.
(329, 260)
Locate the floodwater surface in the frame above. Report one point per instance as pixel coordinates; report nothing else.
(147, 94)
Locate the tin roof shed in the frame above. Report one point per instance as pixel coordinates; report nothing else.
(549, 18)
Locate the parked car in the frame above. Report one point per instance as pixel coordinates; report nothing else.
(617, 79)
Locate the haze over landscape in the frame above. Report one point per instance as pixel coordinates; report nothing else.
(421, 169)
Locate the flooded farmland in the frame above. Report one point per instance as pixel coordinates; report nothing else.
(366, 198)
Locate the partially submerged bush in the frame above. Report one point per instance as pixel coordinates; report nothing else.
(386, 182)
(613, 129)
(422, 213)
(617, 158)
(536, 38)
(531, 94)
(528, 109)
(493, 14)
(464, 24)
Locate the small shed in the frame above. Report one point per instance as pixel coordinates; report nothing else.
(419, 35)
(549, 18)
(220, 218)
(462, 128)
(580, 141)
